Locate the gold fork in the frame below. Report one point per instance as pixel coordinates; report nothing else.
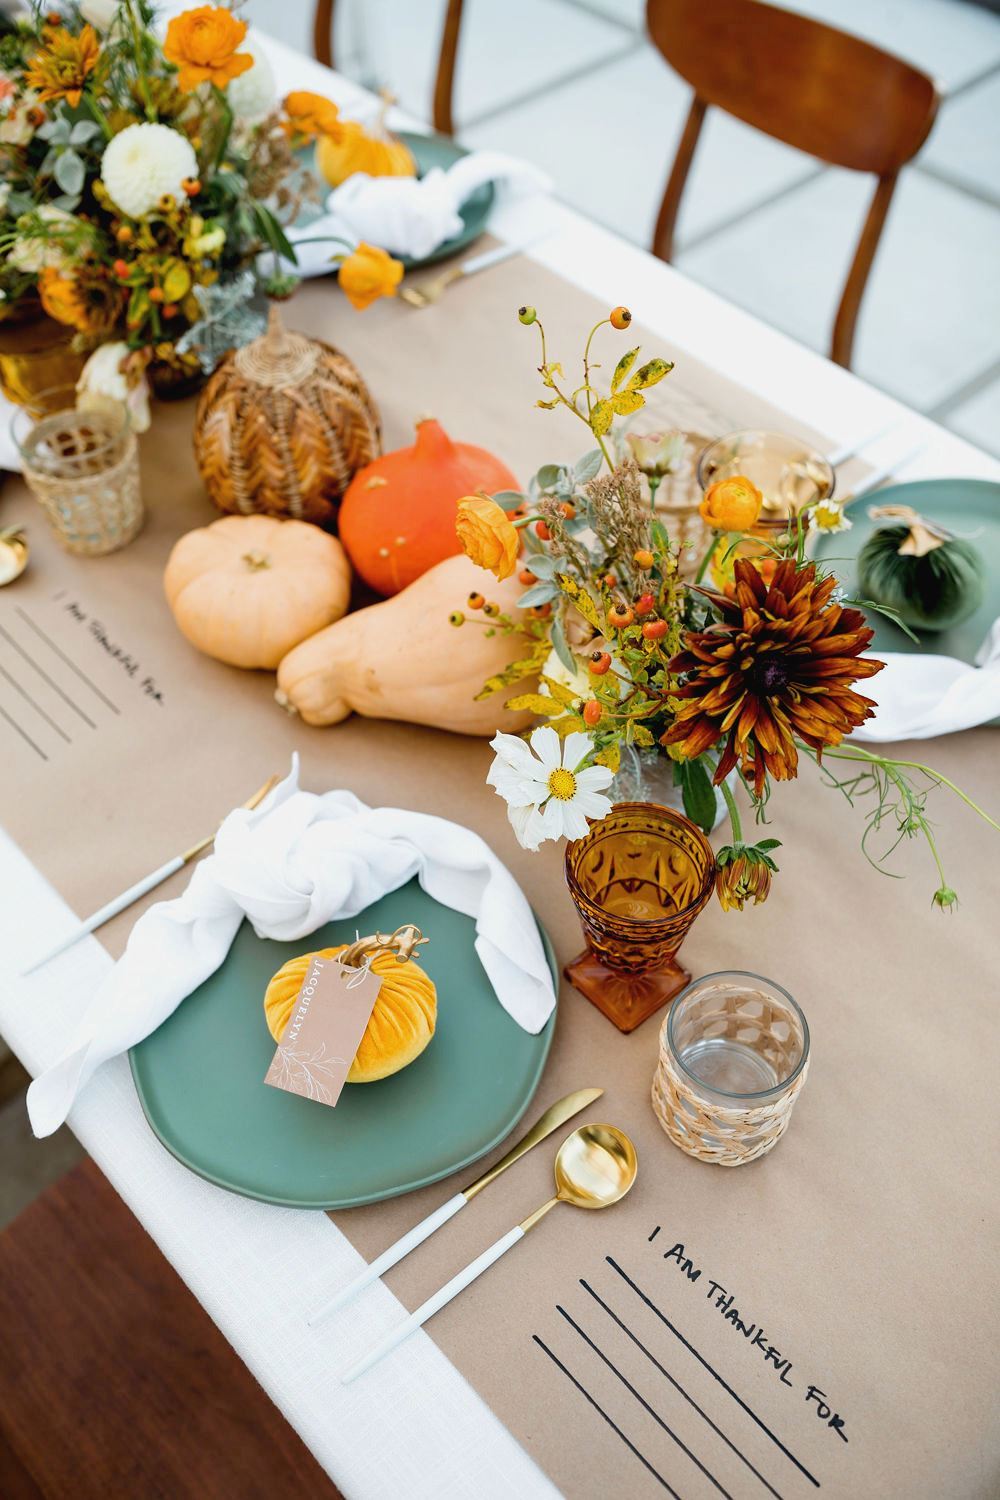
(432, 291)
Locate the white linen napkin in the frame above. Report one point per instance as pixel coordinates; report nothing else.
(294, 863)
(920, 696)
(405, 215)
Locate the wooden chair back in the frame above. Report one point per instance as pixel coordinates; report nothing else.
(444, 81)
(818, 89)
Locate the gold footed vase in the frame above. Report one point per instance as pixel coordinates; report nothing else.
(638, 880)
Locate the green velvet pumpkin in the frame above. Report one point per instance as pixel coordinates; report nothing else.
(929, 592)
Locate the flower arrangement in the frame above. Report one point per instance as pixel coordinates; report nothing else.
(741, 685)
(141, 177)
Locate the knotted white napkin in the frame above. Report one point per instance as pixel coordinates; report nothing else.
(920, 696)
(405, 215)
(296, 862)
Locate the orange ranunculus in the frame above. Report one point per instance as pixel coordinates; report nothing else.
(203, 42)
(310, 115)
(731, 504)
(487, 535)
(63, 63)
(367, 274)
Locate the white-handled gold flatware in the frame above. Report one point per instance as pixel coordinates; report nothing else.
(595, 1167)
(142, 887)
(556, 1115)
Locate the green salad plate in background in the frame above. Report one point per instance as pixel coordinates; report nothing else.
(200, 1076)
(970, 508)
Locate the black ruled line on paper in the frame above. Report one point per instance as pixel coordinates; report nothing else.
(26, 737)
(644, 1403)
(679, 1388)
(46, 678)
(714, 1373)
(68, 660)
(601, 1412)
(36, 706)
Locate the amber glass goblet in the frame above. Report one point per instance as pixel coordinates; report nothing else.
(638, 880)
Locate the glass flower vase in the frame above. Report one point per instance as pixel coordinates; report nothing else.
(638, 879)
(648, 776)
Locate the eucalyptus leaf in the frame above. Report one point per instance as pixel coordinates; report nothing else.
(545, 565)
(561, 647)
(69, 172)
(83, 131)
(539, 593)
(49, 161)
(509, 499)
(588, 466)
(547, 476)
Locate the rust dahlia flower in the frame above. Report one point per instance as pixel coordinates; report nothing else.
(778, 664)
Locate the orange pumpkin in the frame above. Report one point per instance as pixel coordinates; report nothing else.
(397, 518)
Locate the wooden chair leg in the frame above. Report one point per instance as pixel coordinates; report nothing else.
(444, 83)
(663, 234)
(323, 32)
(850, 303)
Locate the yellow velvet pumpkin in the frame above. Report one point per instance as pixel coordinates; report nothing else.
(399, 1028)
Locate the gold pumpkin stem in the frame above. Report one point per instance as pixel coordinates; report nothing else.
(401, 942)
(256, 561)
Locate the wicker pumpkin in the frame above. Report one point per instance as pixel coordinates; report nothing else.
(282, 426)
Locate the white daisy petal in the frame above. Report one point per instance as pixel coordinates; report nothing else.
(545, 743)
(526, 823)
(594, 778)
(574, 821)
(576, 747)
(514, 752)
(593, 804)
(551, 819)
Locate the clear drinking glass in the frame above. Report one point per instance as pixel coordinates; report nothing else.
(83, 467)
(734, 1052)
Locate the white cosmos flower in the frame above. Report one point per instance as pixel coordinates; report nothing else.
(113, 377)
(100, 13)
(828, 516)
(547, 793)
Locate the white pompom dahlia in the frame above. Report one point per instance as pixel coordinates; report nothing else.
(253, 94)
(143, 163)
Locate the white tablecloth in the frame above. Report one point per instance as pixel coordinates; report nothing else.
(414, 1428)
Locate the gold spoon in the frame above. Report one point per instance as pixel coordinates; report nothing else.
(595, 1167)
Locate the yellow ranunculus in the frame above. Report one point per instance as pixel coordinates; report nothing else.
(487, 535)
(203, 42)
(367, 274)
(731, 504)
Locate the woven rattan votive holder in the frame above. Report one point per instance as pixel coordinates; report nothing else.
(734, 1053)
(83, 468)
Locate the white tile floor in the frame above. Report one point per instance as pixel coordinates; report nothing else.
(574, 86)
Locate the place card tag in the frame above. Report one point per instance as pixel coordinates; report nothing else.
(325, 1030)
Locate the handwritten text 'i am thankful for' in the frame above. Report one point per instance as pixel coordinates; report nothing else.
(755, 1336)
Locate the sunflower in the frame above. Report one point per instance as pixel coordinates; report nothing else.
(85, 297)
(779, 663)
(61, 66)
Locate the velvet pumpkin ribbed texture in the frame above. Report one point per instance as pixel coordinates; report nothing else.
(400, 1026)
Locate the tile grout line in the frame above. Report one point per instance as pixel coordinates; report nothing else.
(948, 405)
(962, 185)
(947, 95)
(602, 15)
(811, 174)
(585, 70)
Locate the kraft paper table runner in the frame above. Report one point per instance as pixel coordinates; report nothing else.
(857, 1257)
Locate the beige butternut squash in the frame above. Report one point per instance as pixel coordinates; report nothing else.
(402, 659)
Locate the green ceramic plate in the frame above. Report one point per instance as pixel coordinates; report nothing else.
(968, 507)
(200, 1076)
(438, 151)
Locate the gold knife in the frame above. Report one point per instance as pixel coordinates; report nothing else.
(556, 1115)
